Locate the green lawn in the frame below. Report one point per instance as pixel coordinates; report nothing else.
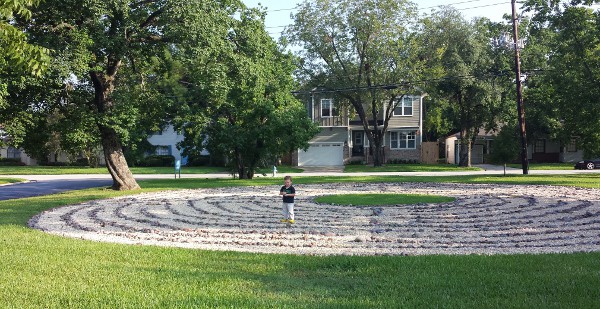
(44, 271)
(408, 168)
(546, 166)
(61, 170)
(4, 181)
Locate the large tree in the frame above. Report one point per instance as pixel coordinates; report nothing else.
(101, 47)
(242, 108)
(469, 90)
(17, 54)
(565, 93)
(364, 52)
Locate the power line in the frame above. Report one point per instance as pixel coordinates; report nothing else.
(403, 84)
(464, 2)
(420, 9)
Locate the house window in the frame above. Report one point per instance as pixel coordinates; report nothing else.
(403, 140)
(404, 107)
(13, 153)
(358, 138)
(162, 150)
(572, 146)
(539, 146)
(328, 109)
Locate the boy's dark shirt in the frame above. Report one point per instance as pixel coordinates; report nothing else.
(289, 190)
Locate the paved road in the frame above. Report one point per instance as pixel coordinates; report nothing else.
(45, 187)
(50, 184)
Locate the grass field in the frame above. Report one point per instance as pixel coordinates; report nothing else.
(44, 271)
(4, 181)
(546, 166)
(61, 170)
(408, 168)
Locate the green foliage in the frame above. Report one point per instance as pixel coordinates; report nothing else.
(80, 169)
(158, 160)
(242, 108)
(17, 53)
(506, 146)
(469, 95)
(407, 167)
(565, 96)
(117, 69)
(352, 49)
(41, 270)
(10, 162)
(18, 57)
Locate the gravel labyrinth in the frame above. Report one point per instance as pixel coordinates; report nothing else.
(484, 219)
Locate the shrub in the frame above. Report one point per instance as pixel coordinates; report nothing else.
(198, 161)
(10, 162)
(54, 163)
(402, 161)
(158, 160)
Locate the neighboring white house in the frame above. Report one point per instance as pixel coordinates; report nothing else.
(165, 142)
(343, 139)
(15, 153)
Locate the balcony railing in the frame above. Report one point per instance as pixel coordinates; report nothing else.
(339, 121)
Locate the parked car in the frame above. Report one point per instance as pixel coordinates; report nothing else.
(588, 164)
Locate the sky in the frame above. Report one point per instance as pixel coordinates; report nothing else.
(278, 11)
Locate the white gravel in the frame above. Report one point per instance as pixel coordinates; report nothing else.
(484, 219)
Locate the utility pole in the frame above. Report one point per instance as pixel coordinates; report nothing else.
(520, 107)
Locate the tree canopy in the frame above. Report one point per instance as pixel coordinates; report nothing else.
(564, 90)
(364, 52)
(110, 58)
(468, 91)
(17, 53)
(242, 107)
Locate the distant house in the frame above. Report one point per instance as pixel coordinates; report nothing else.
(545, 150)
(542, 150)
(165, 142)
(16, 153)
(481, 148)
(342, 139)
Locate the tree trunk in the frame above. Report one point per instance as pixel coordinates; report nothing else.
(378, 151)
(113, 149)
(465, 149)
(465, 135)
(243, 172)
(115, 161)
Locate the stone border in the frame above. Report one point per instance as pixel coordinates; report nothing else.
(484, 219)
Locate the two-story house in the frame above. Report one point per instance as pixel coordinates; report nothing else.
(342, 138)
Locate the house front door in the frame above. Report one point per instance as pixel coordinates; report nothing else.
(358, 143)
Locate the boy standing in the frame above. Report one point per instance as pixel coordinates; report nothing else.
(288, 192)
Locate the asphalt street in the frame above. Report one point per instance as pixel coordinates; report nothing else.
(46, 187)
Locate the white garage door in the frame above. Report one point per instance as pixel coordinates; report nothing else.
(322, 154)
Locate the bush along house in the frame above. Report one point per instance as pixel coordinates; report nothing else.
(342, 139)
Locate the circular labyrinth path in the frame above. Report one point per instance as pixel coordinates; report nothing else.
(484, 219)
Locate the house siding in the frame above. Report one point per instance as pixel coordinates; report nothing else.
(343, 129)
(394, 155)
(167, 138)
